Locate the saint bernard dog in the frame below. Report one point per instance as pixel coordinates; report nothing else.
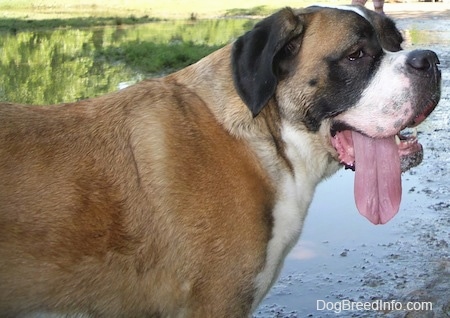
(181, 196)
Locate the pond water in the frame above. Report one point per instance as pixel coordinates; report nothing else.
(340, 254)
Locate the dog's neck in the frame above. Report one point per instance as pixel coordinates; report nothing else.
(214, 73)
(264, 133)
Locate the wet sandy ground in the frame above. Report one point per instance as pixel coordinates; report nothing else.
(342, 257)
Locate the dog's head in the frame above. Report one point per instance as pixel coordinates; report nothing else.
(343, 68)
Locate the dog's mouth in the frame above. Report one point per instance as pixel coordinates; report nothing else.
(378, 164)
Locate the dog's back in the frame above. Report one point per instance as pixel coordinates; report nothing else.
(95, 201)
(60, 202)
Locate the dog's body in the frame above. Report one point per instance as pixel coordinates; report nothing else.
(181, 196)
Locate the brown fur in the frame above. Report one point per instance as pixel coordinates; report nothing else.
(99, 196)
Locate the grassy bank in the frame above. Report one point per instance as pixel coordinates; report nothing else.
(151, 58)
(20, 15)
(167, 9)
(25, 24)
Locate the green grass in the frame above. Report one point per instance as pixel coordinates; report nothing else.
(18, 24)
(20, 15)
(167, 9)
(152, 58)
(255, 11)
(17, 15)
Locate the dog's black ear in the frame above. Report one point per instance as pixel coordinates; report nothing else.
(390, 37)
(258, 55)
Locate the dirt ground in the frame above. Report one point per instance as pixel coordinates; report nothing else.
(407, 260)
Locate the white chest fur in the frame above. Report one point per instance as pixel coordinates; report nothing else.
(294, 195)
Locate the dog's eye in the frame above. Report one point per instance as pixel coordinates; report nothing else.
(356, 55)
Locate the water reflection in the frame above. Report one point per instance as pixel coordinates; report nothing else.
(52, 67)
(47, 67)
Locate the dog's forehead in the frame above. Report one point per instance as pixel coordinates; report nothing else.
(339, 16)
(357, 9)
(342, 26)
(388, 34)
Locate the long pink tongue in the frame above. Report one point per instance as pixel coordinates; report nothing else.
(378, 184)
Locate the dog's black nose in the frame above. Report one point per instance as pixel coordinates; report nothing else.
(422, 60)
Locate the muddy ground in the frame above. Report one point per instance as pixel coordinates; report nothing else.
(342, 257)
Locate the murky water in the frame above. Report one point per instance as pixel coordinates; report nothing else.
(340, 255)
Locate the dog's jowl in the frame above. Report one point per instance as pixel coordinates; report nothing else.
(181, 196)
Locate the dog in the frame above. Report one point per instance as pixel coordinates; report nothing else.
(181, 196)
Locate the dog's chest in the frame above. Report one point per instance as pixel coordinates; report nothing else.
(288, 216)
(294, 195)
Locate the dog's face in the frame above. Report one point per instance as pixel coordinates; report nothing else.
(341, 73)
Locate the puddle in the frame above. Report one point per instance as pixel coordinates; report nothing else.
(341, 256)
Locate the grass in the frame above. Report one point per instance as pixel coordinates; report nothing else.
(20, 15)
(18, 24)
(153, 58)
(165, 9)
(255, 11)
